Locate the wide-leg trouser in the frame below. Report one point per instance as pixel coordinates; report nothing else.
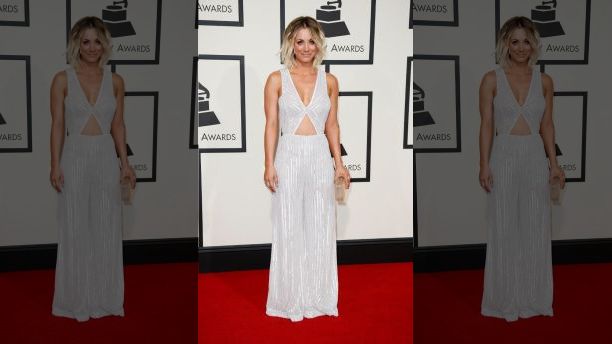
(518, 272)
(303, 278)
(89, 269)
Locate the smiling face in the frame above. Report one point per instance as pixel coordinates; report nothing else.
(90, 46)
(304, 47)
(519, 46)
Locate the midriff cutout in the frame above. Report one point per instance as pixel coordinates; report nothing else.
(521, 127)
(306, 127)
(91, 128)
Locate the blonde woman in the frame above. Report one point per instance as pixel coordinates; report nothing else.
(87, 134)
(516, 134)
(302, 100)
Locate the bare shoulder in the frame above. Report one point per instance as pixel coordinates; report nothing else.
(490, 78)
(273, 83)
(60, 79)
(547, 81)
(332, 83)
(117, 80)
(331, 79)
(118, 84)
(274, 78)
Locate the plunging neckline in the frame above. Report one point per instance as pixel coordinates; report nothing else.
(83, 90)
(313, 91)
(528, 91)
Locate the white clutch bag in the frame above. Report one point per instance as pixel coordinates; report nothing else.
(340, 190)
(127, 193)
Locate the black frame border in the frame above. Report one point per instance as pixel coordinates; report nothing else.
(369, 96)
(28, 76)
(240, 59)
(454, 22)
(26, 17)
(370, 59)
(155, 96)
(407, 105)
(124, 62)
(240, 21)
(193, 142)
(456, 60)
(584, 96)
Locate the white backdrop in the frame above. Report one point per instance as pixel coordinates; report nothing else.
(235, 202)
(451, 205)
(158, 102)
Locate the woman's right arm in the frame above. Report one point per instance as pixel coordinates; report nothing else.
(271, 95)
(58, 93)
(486, 94)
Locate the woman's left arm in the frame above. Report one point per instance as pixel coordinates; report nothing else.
(332, 129)
(547, 130)
(118, 130)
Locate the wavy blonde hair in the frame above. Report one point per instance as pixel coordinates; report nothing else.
(503, 40)
(286, 52)
(74, 40)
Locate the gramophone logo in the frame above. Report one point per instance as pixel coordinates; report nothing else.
(421, 116)
(15, 104)
(570, 132)
(544, 17)
(563, 25)
(220, 104)
(348, 25)
(356, 133)
(115, 18)
(329, 18)
(141, 109)
(436, 110)
(134, 26)
(206, 116)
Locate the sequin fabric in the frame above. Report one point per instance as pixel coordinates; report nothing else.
(303, 280)
(518, 270)
(89, 269)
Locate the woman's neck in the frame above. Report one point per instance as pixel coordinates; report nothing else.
(519, 67)
(89, 67)
(302, 68)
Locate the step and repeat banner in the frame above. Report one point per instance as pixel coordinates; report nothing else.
(369, 50)
(153, 44)
(454, 48)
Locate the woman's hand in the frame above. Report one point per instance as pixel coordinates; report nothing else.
(128, 173)
(271, 178)
(486, 178)
(342, 172)
(557, 174)
(57, 178)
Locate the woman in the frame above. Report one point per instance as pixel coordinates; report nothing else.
(87, 134)
(516, 134)
(303, 100)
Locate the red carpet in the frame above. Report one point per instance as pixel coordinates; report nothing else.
(447, 309)
(375, 306)
(159, 308)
